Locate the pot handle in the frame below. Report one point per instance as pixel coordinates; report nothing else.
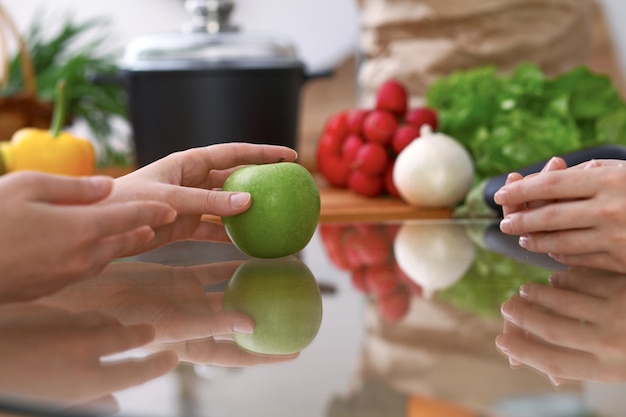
(116, 78)
(326, 73)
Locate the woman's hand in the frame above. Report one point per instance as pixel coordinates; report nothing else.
(53, 233)
(190, 182)
(581, 220)
(174, 300)
(570, 330)
(54, 355)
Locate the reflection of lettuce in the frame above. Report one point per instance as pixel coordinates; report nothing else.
(491, 280)
(508, 121)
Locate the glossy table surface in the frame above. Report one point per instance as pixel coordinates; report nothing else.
(410, 314)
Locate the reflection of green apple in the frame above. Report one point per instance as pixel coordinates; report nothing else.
(284, 213)
(284, 300)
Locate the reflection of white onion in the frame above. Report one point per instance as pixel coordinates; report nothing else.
(434, 255)
(434, 170)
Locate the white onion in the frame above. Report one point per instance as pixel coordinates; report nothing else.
(434, 170)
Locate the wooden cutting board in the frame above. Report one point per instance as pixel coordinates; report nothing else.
(340, 205)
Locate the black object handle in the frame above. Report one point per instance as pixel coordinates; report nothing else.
(573, 158)
(508, 245)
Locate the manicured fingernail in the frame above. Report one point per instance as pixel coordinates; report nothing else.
(523, 241)
(504, 310)
(500, 197)
(505, 225)
(501, 344)
(239, 200)
(556, 257)
(524, 291)
(242, 327)
(555, 280)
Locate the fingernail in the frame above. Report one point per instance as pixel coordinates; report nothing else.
(550, 165)
(171, 216)
(504, 310)
(591, 164)
(523, 241)
(556, 381)
(523, 291)
(101, 183)
(556, 257)
(509, 178)
(239, 200)
(500, 197)
(555, 280)
(505, 225)
(501, 344)
(242, 327)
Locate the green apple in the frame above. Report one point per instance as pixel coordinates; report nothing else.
(284, 213)
(282, 297)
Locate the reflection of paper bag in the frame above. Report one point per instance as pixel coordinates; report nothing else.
(417, 41)
(439, 351)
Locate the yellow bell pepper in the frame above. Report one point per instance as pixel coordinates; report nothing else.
(52, 151)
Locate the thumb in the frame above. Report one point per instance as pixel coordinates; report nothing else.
(58, 189)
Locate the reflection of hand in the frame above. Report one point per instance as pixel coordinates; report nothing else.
(225, 353)
(584, 225)
(571, 330)
(53, 233)
(189, 182)
(172, 299)
(54, 355)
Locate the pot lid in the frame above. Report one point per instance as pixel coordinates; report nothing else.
(209, 41)
(196, 50)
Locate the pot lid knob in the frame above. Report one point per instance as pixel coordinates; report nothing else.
(210, 16)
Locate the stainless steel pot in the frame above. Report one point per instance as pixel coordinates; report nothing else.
(211, 84)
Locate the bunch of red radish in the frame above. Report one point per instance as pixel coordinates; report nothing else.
(358, 147)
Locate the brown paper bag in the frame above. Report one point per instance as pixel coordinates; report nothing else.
(417, 41)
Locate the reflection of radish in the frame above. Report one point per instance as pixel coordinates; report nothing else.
(433, 255)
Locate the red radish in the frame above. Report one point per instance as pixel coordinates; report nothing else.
(379, 126)
(354, 119)
(329, 144)
(403, 136)
(366, 185)
(421, 116)
(390, 186)
(351, 147)
(334, 169)
(337, 125)
(371, 159)
(392, 96)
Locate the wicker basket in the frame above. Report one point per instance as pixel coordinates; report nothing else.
(24, 109)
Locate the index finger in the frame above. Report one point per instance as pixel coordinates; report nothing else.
(552, 185)
(198, 162)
